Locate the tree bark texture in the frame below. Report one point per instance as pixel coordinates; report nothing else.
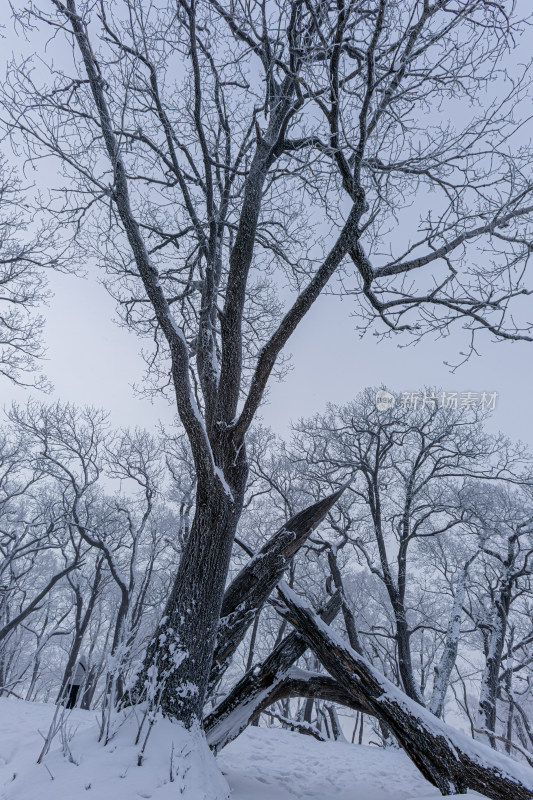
(274, 679)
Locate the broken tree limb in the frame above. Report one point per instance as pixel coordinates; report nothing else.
(258, 578)
(301, 683)
(270, 681)
(447, 758)
(227, 720)
(300, 727)
(295, 682)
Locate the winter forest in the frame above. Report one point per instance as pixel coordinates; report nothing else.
(206, 590)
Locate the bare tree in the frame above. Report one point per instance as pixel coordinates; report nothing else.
(26, 249)
(403, 464)
(33, 539)
(283, 116)
(502, 583)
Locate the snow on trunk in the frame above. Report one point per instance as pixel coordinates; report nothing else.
(257, 688)
(447, 662)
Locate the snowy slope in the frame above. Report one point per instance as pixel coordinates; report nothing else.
(272, 764)
(86, 769)
(262, 764)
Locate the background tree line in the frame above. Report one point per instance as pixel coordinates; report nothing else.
(430, 546)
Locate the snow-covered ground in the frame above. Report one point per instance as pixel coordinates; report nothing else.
(273, 764)
(262, 764)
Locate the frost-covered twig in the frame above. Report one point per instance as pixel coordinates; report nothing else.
(301, 727)
(491, 734)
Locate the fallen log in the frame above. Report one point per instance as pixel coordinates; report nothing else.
(273, 680)
(446, 757)
(258, 578)
(293, 683)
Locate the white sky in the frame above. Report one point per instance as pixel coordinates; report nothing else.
(93, 361)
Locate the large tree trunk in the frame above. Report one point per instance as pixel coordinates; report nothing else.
(447, 758)
(179, 658)
(180, 664)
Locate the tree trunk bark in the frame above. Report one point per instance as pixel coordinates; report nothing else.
(491, 673)
(179, 658)
(202, 626)
(447, 758)
(447, 662)
(405, 662)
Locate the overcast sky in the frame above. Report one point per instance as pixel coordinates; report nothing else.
(91, 360)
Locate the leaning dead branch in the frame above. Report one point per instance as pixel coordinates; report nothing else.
(258, 578)
(447, 758)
